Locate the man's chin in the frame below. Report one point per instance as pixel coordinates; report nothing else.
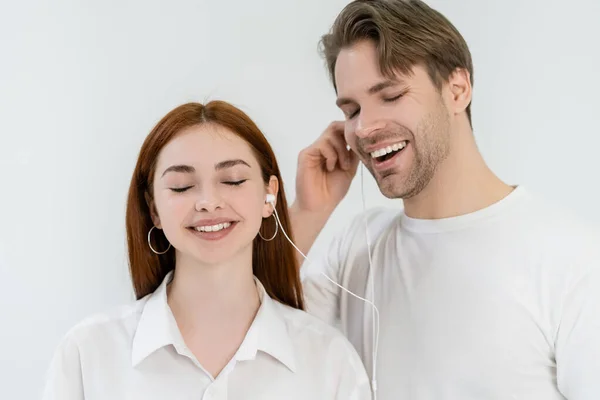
(392, 186)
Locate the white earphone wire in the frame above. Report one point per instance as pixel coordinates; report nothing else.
(375, 310)
(372, 278)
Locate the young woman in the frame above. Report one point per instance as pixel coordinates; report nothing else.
(219, 310)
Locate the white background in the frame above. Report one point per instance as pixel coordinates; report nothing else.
(82, 84)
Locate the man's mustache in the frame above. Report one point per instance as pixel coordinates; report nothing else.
(381, 137)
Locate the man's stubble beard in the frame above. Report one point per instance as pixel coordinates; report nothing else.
(430, 146)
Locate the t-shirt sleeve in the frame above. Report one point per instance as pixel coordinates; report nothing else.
(64, 377)
(322, 297)
(578, 337)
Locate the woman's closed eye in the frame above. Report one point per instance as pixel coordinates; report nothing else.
(235, 183)
(180, 189)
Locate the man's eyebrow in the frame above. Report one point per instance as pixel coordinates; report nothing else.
(382, 85)
(378, 87)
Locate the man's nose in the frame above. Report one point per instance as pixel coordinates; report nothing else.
(365, 129)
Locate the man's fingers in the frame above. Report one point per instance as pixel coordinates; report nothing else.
(339, 144)
(353, 161)
(329, 154)
(329, 149)
(336, 127)
(335, 135)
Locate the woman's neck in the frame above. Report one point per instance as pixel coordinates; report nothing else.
(214, 306)
(200, 292)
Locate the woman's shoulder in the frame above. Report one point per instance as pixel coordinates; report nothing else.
(320, 345)
(118, 322)
(307, 328)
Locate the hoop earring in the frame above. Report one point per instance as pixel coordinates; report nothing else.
(275, 234)
(150, 244)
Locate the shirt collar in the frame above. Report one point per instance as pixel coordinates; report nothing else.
(157, 327)
(268, 333)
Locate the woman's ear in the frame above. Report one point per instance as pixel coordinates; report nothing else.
(153, 212)
(273, 189)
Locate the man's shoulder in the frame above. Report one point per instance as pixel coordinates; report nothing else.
(549, 218)
(373, 221)
(350, 245)
(562, 234)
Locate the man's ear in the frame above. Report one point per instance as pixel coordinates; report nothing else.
(460, 89)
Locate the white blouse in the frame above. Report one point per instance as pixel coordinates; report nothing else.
(139, 353)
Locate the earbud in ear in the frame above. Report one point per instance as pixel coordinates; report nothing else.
(270, 199)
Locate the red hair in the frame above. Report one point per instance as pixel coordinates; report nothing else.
(274, 263)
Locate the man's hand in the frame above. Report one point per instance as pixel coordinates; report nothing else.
(325, 171)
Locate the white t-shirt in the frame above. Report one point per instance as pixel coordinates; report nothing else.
(503, 303)
(138, 353)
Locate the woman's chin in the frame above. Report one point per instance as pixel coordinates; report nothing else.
(214, 255)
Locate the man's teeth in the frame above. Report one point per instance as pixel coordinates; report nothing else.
(213, 228)
(389, 149)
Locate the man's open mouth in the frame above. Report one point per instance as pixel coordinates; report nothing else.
(388, 152)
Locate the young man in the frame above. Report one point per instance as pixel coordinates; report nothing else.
(484, 290)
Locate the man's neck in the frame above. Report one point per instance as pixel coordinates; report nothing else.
(462, 184)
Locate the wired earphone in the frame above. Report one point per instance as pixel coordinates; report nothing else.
(270, 198)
